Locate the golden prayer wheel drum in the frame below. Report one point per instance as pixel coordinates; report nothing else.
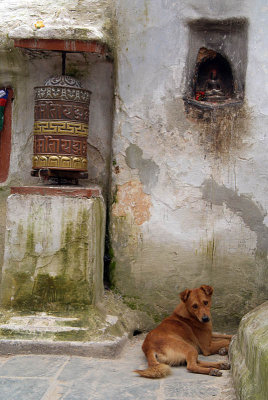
(61, 116)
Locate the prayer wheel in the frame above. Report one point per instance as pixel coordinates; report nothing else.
(61, 128)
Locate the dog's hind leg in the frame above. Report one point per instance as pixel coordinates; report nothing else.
(198, 367)
(171, 353)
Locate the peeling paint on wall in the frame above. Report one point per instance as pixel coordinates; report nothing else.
(131, 199)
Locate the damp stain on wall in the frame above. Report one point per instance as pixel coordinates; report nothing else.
(148, 169)
(242, 205)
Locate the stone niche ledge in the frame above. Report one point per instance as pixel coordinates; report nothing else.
(90, 46)
(249, 355)
(69, 191)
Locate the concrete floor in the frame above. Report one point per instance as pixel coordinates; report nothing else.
(48, 377)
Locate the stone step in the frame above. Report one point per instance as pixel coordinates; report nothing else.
(40, 323)
(37, 334)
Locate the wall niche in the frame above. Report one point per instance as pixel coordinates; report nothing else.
(216, 65)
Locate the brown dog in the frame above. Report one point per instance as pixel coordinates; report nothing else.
(180, 337)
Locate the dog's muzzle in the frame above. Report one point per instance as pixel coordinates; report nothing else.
(205, 318)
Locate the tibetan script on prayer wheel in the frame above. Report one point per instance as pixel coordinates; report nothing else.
(61, 117)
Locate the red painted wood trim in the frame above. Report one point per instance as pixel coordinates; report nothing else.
(61, 45)
(56, 191)
(5, 139)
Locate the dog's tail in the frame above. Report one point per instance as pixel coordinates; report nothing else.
(155, 369)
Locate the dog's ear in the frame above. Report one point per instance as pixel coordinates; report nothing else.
(207, 289)
(185, 294)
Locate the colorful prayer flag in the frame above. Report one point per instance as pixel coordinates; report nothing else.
(3, 101)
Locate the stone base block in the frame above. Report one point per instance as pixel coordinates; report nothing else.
(249, 355)
(54, 247)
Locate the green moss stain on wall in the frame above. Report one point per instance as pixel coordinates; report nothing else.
(59, 292)
(99, 223)
(4, 192)
(30, 239)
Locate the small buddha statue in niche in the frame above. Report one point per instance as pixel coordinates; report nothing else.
(213, 88)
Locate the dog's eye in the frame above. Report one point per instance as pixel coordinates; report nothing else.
(195, 306)
(206, 303)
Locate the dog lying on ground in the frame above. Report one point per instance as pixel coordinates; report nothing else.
(180, 337)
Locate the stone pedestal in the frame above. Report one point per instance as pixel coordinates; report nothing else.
(54, 247)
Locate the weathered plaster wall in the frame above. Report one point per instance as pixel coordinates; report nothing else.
(189, 195)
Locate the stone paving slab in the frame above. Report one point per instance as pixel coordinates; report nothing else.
(49, 377)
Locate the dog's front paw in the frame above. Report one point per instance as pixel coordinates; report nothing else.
(215, 372)
(223, 351)
(225, 365)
